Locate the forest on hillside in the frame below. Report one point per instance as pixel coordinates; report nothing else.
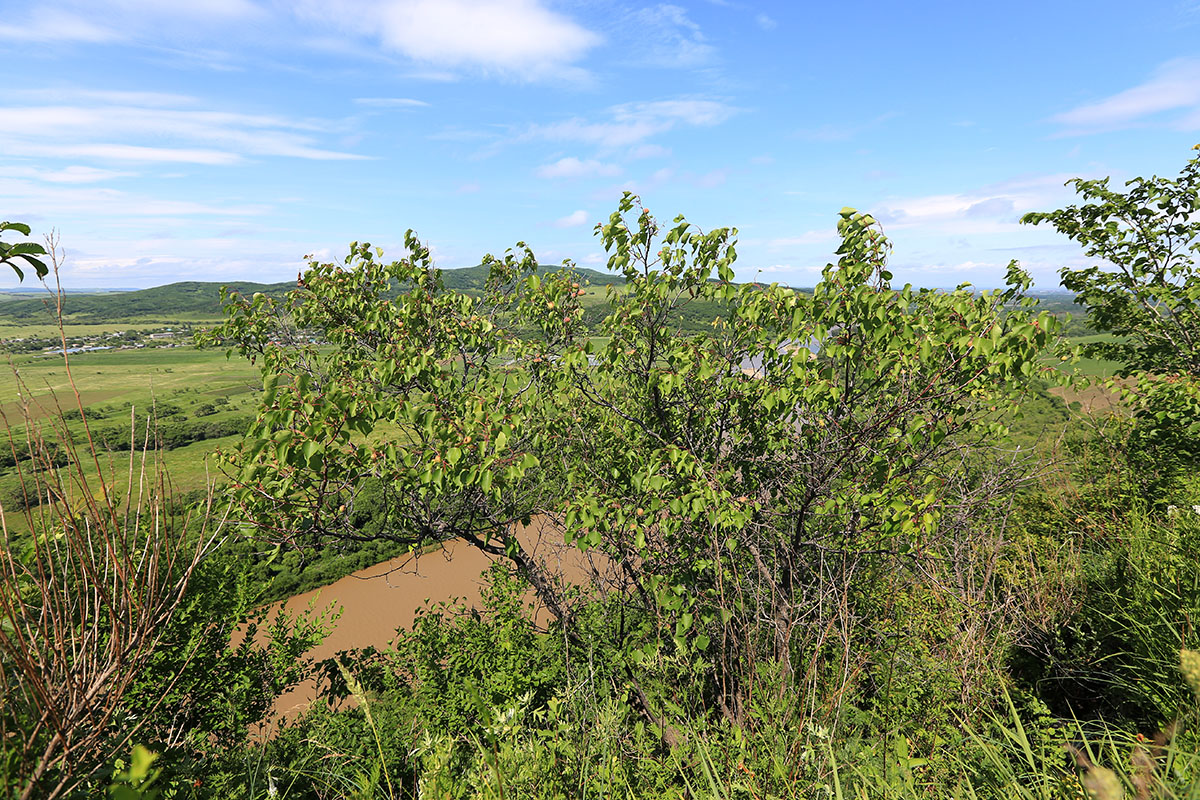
(856, 541)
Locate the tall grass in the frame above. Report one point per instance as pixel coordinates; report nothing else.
(88, 584)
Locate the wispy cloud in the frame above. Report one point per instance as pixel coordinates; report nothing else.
(46, 200)
(127, 153)
(630, 124)
(1174, 86)
(110, 21)
(664, 36)
(73, 94)
(713, 179)
(990, 209)
(802, 240)
(390, 102)
(153, 133)
(56, 25)
(839, 133)
(649, 151)
(516, 38)
(219, 10)
(157, 259)
(572, 220)
(765, 22)
(571, 167)
(72, 174)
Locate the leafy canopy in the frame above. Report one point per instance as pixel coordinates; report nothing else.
(1148, 290)
(731, 474)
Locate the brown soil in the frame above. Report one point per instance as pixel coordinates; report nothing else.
(1095, 399)
(377, 601)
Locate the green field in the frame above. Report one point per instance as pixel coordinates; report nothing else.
(1096, 367)
(179, 387)
(48, 330)
(134, 376)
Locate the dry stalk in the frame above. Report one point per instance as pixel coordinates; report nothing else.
(89, 579)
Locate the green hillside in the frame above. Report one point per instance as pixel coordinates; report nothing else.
(187, 299)
(191, 300)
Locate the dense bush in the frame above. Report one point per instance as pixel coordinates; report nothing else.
(168, 435)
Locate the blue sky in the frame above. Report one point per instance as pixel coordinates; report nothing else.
(227, 139)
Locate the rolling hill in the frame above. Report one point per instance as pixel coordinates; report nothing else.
(202, 300)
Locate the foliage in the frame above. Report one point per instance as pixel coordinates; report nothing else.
(27, 252)
(86, 597)
(137, 781)
(1114, 657)
(828, 445)
(815, 563)
(1150, 300)
(1149, 235)
(117, 610)
(463, 665)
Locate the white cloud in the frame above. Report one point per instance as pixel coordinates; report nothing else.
(1174, 86)
(571, 167)
(68, 95)
(765, 22)
(108, 21)
(1190, 122)
(990, 209)
(963, 266)
(59, 202)
(390, 102)
(713, 179)
(460, 135)
(776, 269)
(690, 111)
(519, 38)
(806, 238)
(661, 176)
(72, 174)
(224, 10)
(155, 134)
(152, 260)
(631, 123)
(649, 151)
(54, 25)
(126, 152)
(664, 36)
(829, 132)
(572, 220)
(657, 179)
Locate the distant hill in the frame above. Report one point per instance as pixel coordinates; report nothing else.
(472, 279)
(199, 300)
(25, 291)
(175, 300)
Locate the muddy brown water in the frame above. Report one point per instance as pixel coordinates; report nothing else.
(376, 601)
(1094, 399)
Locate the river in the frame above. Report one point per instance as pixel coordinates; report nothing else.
(377, 601)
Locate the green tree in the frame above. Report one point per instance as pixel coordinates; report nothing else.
(1147, 289)
(754, 486)
(1147, 293)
